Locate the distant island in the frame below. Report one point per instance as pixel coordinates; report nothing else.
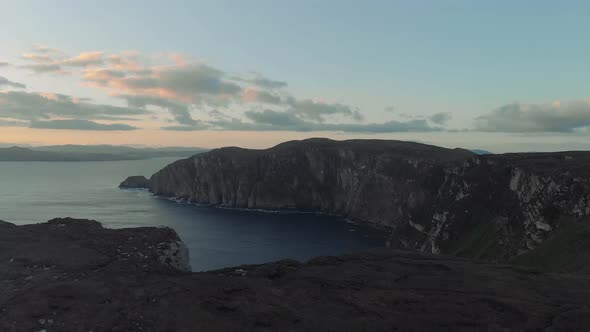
(92, 153)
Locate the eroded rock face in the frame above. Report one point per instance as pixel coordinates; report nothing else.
(174, 254)
(377, 182)
(135, 182)
(498, 206)
(435, 200)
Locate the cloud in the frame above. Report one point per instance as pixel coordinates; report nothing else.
(182, 86)
(440, 118)
(305, 108)
(191, 84)
(127, 61)
(48, 60)
(179, 111)
(84, 59)
(31, 106)
(42, 68)
(12, 123)
(277, 119)
(39, 58)
(537, 118)
(102, 76)
(198, 125)
(418, 125)
(260, 96)
(5, 82)
(185, 83)
(217, 114)
(318, 111)
(178, 59)
(262, 82)
(73, 124)
(44, 49)
(269, 120)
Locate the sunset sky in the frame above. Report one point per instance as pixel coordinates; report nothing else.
(497, 75)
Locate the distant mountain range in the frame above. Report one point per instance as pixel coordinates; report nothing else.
(92, 153)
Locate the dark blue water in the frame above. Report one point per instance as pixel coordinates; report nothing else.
(33, 192)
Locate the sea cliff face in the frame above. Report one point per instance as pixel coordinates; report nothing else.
(499, 206)
(433, 199)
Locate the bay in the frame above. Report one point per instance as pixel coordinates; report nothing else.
(33, 192)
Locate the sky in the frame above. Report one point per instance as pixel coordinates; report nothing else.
(497, 75)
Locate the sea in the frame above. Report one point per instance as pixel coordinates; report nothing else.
(34, 192)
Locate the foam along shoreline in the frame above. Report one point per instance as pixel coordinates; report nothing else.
(185, 201)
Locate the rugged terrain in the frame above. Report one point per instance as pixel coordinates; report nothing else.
(74, 275)
(433, 199)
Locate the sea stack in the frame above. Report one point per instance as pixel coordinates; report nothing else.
(135, 182)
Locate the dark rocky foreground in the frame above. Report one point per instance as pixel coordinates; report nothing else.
(435, 200)
(74, 275)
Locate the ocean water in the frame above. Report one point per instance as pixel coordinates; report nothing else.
(34, 192)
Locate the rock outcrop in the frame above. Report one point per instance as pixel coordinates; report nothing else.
(433, 199)
(135, 182)
(75, 275)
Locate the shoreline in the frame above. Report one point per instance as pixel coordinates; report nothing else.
(184, 201)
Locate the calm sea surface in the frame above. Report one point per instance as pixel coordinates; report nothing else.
(33, 192)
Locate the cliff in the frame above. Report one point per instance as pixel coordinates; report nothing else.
(75, 275)
(433, 199)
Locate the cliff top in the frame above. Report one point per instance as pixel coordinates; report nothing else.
(74, 275)
(545, 163)
(361, 146)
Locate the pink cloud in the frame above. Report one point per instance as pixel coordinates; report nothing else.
(125, 61)
(41, 58)
(44, 49)
(101, 75)
(178, 59)
(84, 59)
(250, 94)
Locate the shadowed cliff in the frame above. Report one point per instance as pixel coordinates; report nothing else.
(433, 199)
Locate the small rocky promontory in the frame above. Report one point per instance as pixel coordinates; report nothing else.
(135, 182)
(75, 275)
